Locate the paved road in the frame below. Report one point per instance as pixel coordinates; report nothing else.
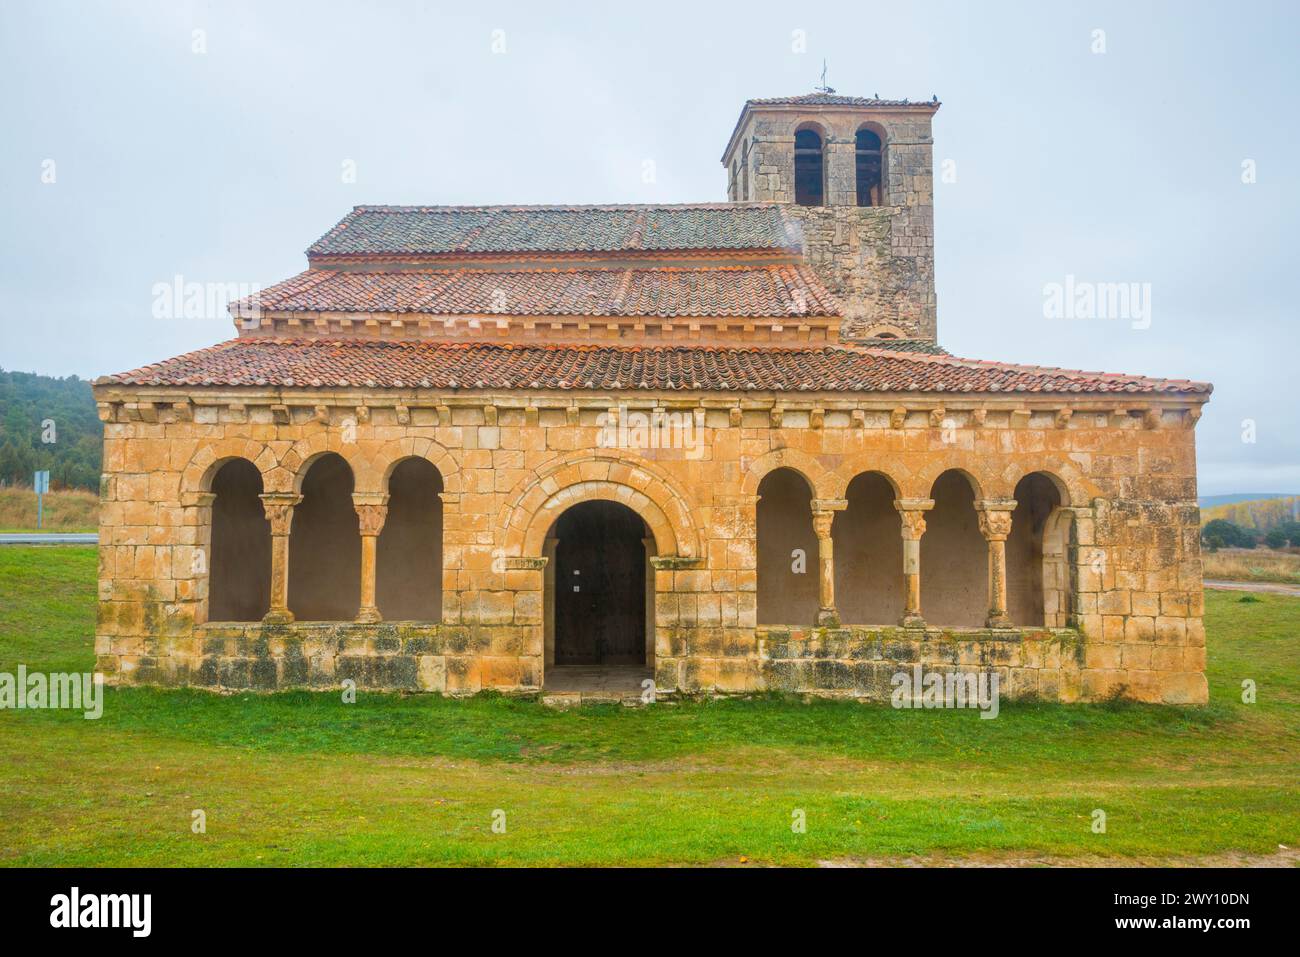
(1277, 588)
(48, 538)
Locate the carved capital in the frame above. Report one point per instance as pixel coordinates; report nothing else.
(995, 518)
(372, 510)
(278, 507)
(822, 522)
(912, 512)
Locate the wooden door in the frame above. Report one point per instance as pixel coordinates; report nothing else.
(600, 584)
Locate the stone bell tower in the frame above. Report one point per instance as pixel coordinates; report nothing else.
(857, 175)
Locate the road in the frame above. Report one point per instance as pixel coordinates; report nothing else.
(48, 538)
(1276, 588)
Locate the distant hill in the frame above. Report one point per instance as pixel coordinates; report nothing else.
(1260, 514)
(1209, 501)
(49, 423)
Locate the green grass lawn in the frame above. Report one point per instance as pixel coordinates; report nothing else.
(302, 778)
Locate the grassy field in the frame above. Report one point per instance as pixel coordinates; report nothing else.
(69, 510)
(301, 778)
(1252, 565)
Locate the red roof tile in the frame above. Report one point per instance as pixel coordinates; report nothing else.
(344, 363)
(775, 291)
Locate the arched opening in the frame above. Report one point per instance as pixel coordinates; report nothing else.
(734, 189)
(408, 556)
(239, 561)
(1038, 548)
(868, 547)
(600, 587)
(325, 545)
(868, 157)
(809, 180)
(787, 550)
(954, 557)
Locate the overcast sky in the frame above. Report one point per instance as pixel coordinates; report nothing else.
(221, 164)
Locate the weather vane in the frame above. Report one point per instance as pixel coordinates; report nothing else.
(824, 88)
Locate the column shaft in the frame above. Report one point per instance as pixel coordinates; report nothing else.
(372, 512)
(912, 511)
(279, 512)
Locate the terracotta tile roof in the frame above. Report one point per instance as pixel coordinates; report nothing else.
(750, 291)
(344, 363)
(469, 230)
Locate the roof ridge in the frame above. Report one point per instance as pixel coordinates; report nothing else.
(558, 207)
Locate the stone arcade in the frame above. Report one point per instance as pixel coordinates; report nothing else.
(400, 471)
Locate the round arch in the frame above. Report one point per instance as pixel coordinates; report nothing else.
(613, 476)
(836, 483)
(207, 460)
(807, 467)
(922, 482)
(382, 464)
(294, 464)
(529, 537)
(1074, 488)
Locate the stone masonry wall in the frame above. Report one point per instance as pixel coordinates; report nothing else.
(511, 463)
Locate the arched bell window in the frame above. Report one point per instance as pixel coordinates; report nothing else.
(869, 160)
(809, 179)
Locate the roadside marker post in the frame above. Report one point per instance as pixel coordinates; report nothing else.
(42, 485)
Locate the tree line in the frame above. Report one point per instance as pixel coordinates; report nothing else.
(1221, 533)
(49, 423)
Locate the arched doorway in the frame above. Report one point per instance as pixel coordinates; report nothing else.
(601, 588)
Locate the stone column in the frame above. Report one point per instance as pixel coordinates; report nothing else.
(912, 512)
(548, 601)
(995, 526)
(372, 510)
(823, 515)
(650, 552)
(279, 512)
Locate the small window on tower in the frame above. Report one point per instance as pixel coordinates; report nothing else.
(869, 165)
(808, 188)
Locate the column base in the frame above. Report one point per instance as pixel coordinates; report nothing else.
(369, 616)
(278, 616)
(998, 621)
(828, 618)
(912, 621)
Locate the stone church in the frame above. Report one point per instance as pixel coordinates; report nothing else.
(717, 445)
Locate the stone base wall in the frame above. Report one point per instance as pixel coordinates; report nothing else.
(852, 662)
